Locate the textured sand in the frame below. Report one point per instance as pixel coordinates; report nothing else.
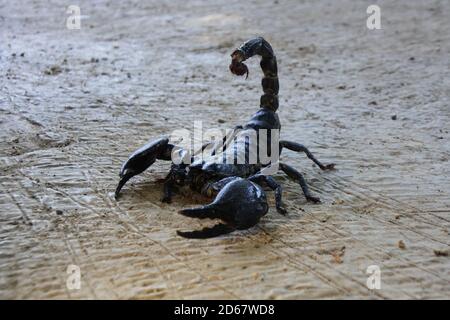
(136, 71)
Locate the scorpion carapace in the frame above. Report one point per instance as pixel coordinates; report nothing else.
(240, 200)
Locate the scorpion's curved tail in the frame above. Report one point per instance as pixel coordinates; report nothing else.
(270, 85)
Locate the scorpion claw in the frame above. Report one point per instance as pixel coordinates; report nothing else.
(124, 178)
(203, 212)
(217, 230)
(240, 204)
(140, 160)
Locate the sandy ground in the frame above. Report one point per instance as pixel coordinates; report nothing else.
(75, 103)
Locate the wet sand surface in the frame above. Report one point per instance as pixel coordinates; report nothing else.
(75, 103)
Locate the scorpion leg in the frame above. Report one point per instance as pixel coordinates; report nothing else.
(176, 177)
(275, 186)
(143, 158)
(295, 175)
(240, 205)
(301, 148)
(167, 191)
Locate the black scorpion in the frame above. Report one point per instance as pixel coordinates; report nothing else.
(240, 200)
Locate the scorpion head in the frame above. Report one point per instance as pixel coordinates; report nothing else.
(236, 66)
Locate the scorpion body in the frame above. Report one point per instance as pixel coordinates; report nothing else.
(239, 201)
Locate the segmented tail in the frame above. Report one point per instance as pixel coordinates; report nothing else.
(270, 85)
